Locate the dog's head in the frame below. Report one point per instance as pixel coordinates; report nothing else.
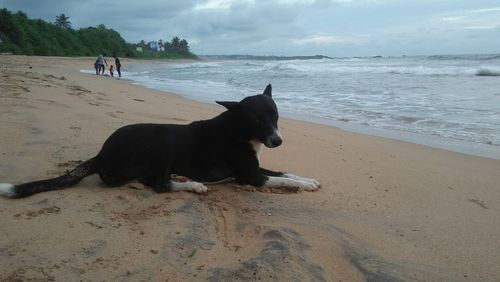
(257, 117)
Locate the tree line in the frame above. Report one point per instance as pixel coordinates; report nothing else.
(24, 36)
(176, 45)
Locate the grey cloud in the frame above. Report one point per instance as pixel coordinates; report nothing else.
(35, 9)
(243, 18)
(258, 26)
(94, 12)
(324, 4)
(269, 27)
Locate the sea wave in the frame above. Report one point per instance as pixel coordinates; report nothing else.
(294, 69)
(490, 57)
(487, 72)
(480, 57)
(454, 65)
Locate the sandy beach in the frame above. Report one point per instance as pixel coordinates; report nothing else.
(387, 210)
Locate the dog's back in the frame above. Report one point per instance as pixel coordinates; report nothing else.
(140, 151)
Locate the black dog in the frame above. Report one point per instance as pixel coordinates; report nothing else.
(221, 149)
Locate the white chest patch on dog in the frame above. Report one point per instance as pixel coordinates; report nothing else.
(257, 147)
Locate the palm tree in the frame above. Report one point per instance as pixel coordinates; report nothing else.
(176, 41)
(183, 45)
(63, 21)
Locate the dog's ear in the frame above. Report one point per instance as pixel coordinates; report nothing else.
(229, 105)
(268, 91)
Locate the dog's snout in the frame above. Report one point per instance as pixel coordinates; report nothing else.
(275, 141)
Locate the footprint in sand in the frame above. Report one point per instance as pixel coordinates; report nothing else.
(102, 263)
(78, 90)
(95, 247)
(52, 76)
(76, 130)
(115, 114)
(14, 90)
(479, 203)
(43, 211)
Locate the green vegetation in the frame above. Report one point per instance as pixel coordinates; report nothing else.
(63, 21)
(24, 36)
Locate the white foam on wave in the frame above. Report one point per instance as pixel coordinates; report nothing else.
(363, 67)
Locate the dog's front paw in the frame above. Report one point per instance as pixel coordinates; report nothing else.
(308, 185)
(189, 186)
(316, 182)
(199, 188)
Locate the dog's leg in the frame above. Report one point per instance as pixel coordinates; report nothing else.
(190, 186)
(280, 179)
(162, 183)
(292, 176)
(166, 182)
(285, 182)
(276, 180)
(268, 172)
(148, 181)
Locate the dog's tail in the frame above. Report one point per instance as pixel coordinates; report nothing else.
(67, 180)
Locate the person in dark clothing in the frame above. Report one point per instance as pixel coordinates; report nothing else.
(118, 65)
(96, 66)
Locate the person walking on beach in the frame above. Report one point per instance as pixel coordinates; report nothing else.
(101, 61)
(111, 70)
(96, 66)
(118, 65)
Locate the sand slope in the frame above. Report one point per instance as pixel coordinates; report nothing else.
(387, 211)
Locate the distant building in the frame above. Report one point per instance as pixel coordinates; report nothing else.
(153, 46)
(138, 49)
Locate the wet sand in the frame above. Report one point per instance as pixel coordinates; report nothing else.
(387, 210)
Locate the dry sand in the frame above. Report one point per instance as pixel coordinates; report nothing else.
(387, 210)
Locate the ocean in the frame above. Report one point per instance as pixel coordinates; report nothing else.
(450, 102)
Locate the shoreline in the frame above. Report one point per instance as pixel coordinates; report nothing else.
(388, 210)
(437, 142)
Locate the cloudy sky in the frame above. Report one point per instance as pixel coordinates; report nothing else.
(292, 27)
